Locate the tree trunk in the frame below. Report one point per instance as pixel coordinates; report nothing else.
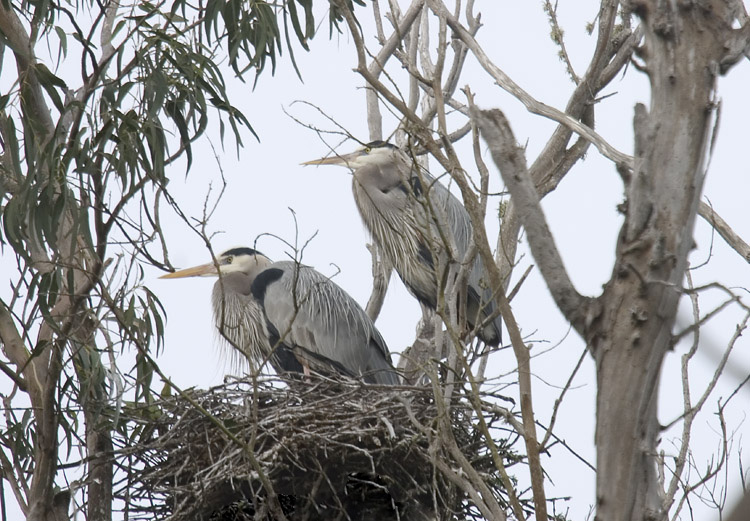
(638, 306)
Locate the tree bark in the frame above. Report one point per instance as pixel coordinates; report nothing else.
(632, 333)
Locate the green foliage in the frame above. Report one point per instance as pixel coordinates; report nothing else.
(89, 130)
(336, 17)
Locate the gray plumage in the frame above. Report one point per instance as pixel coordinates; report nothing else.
(294, 317)
(240, 322)
(405, 210)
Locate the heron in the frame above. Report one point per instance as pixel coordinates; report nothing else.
(405, 208)
(292, 316)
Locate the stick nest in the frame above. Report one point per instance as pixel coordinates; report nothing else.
(310, 450)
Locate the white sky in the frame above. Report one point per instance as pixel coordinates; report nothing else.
(267, 180)
(582, 212)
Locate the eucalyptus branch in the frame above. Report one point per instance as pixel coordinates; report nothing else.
(519, 348)
(428, 67)
(16, 485)
(692, 328)
(719, 370)
(546, 177)
(621, 58)
(506, 414)
(489, 511)
(427, 80)
(460, 51)
(13, 345)
(110, 14)
(478, 405)
(19, 41)
(712, 470)
(10, 373)
(437, 79)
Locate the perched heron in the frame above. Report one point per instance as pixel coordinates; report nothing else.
(292, 316)
(406, 209)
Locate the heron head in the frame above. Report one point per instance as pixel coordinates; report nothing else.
(373, 153)
(242, 260)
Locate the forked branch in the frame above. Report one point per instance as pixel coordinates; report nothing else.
(511, 162)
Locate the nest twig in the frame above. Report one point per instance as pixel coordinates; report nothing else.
(329, 450)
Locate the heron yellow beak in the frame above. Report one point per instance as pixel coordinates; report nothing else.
(204, 270)
(342, 160)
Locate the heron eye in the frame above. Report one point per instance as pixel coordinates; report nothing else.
(228, 260)
(367, 150)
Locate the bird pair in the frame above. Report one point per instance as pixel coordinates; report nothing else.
(299, 320)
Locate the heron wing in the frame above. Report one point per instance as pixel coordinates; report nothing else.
(479, 293)
(312, 313)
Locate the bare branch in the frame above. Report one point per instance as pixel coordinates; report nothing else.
(380, 34)
(560, 398)
(557, 38)
(726, 231)
(510, 160)
(534, 106)
(395, 39)
(689, 412)
(491, 508)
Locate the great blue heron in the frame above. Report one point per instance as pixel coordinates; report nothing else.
(292, 316)
(406, 209)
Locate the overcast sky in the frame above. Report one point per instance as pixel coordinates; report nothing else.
(266, 182)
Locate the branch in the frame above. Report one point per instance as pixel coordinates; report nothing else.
(110, 14)
(559, 400)
(371, 78)
(531, 104)
(689, 412)
(556, 159)
(378, 22)
(446, 435)
(10, 373)
(13, 345)
(556, 35)
(520, 350)
(15, 484)
(395, 39)
(737, 47)
(20, 42)
(726, 231)
(511, 162)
